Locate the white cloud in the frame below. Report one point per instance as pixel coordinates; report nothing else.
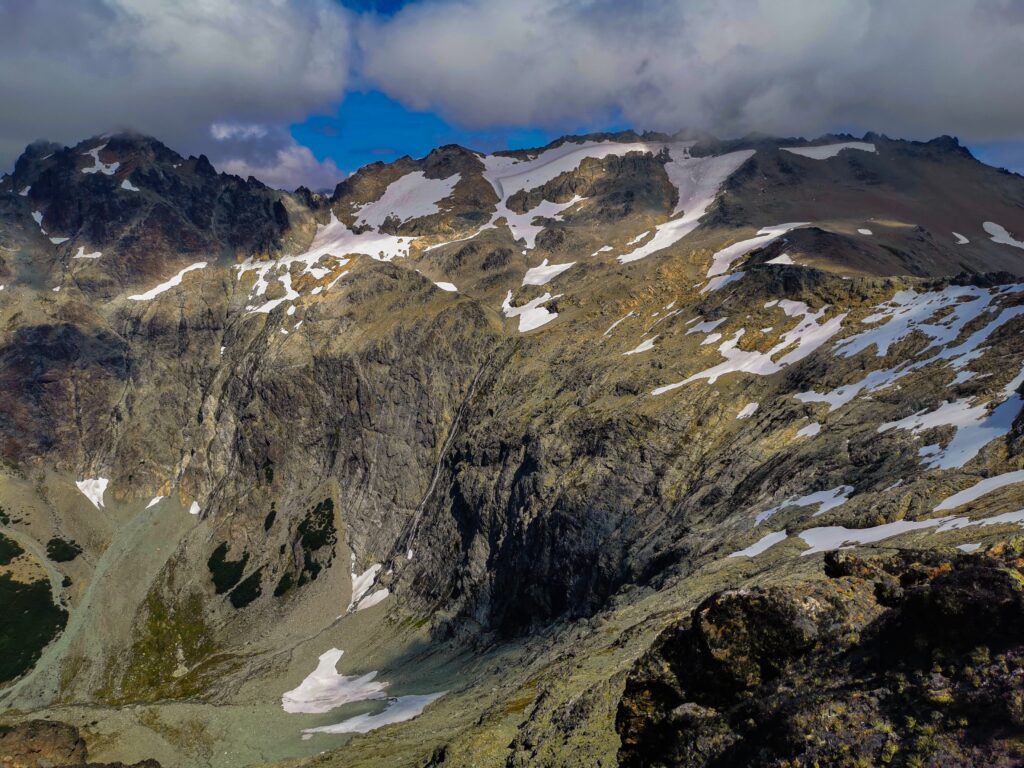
(226, 131)
(291, 166)
(913, 67)
(69, 70)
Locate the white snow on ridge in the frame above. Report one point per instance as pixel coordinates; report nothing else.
(761, 544)
(410, 197)
(808, 334)
(975, 426)
(810, 430)
(127, 185)
(615, 324)
(59, 240)
(960, 239)
(324, 689)
(25, 191)
(837, 537)
(863, 231)
(824, 500)
(290, 294)
(93, 489)
(450, 287)
(509, 175)
(166, 286)
(705, 326)
(154, 501)
(998, 234)
(644, 346)
(698, 181)
(723, 259)
(373, 599)
(783, 259)
(532, 314)
(194, 508)
(398, 710)
(826, 151)
(545, 272)
(747, 411)
(83, 255)
(521, 224)
(716, 283)
(107, 169)
(362, 583)
(909, 312)
(981, 488)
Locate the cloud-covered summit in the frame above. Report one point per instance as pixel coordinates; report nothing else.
(911, 67)
(74, 69)
(228, 78)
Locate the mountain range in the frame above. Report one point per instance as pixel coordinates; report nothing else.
(638, 450)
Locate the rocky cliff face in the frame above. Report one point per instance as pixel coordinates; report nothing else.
(507, 418)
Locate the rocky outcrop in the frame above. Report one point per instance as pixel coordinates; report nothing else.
(49, 744)
(912, 660)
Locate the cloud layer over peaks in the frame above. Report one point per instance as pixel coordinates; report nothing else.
(69, 70)
(914, 67)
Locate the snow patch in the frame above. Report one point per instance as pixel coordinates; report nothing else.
(450, 287)
(93, 489)
(127, 185)
(810, 430)
(166, 286)
(532, 314)
(761, 545)
(324, 689)
(410, 197)
(723, 259)
(698, 181)
(998, 234)
(545, 272)
(643, 346)
(83, 255)
(824, 500)
(106, 169)
(981, 488)
(747, 411)
(398, 711)
(826, 151)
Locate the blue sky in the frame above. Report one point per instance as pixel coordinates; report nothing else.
(370, 126)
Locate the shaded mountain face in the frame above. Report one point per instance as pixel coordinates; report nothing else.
(540, 404)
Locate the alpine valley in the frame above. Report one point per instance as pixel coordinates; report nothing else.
(637, 450)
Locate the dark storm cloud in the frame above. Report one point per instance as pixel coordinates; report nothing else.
(911, 67)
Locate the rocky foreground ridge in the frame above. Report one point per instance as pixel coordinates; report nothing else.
(556, 443)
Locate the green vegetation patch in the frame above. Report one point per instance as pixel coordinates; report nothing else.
(286, 583)
(167, 656)
(9, 549)
(226, 573)
(62, 550)
(317, 532)
(30, 622)
(247, 591)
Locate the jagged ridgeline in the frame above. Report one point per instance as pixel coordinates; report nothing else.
(526, 459)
